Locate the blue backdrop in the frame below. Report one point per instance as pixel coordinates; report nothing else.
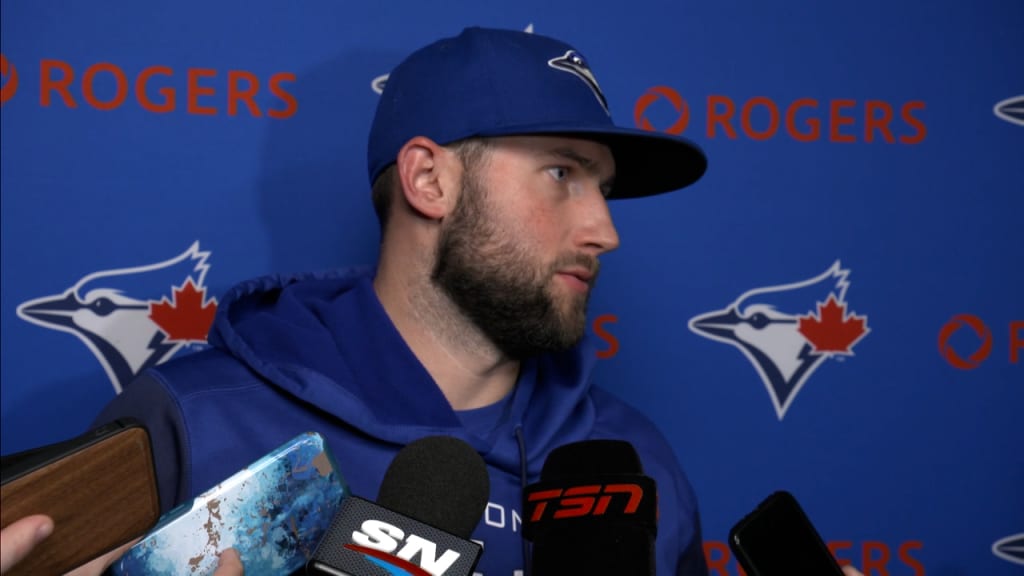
(864, 196)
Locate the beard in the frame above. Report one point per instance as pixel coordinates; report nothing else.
(494, 281)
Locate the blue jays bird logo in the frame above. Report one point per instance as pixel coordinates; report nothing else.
(1010, 548)
(1011, 110)
(125, 317)
(787, 331)
(573, 63)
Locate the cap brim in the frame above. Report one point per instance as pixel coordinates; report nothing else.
(646, 163)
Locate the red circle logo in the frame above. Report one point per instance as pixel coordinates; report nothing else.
(653, 95)
(10, 75)
(980, 330)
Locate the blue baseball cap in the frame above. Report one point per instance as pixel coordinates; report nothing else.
(489, 82)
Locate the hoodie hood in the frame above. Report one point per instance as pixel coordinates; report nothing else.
(326, 339)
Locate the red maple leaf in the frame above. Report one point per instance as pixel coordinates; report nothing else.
(832, 330)
(188, 317)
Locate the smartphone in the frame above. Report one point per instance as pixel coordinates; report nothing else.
(273, 512)
(778, 539)
(99, 488)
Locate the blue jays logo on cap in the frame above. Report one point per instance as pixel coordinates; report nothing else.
(573, 63)
(489, 82)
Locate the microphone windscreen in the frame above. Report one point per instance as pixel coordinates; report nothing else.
(438, 480)
(592, 512)
(591, 457)
(431, 498)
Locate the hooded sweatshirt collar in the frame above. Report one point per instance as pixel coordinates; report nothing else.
(326, 338)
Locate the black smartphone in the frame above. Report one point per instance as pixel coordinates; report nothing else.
(778, 539)
(99, 488)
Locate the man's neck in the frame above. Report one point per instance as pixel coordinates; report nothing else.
(470, 371)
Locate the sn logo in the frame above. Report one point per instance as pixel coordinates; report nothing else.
(379, 535)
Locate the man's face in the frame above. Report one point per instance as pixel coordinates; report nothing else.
(519, 253)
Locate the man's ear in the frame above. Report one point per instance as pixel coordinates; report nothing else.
(429, 175)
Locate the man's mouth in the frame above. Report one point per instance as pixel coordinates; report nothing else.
(579, 279)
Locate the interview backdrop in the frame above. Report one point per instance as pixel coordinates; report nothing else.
(834, 309)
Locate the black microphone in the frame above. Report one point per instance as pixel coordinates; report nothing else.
(431, 498)
(593, 512)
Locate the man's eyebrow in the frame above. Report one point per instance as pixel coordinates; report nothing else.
(587, 163)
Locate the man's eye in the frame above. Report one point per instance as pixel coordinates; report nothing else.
(559, 173)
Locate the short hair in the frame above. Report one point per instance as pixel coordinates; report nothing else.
(471, 151)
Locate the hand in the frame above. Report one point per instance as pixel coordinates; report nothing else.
(20, 537)
(851, 571)
(230, 564)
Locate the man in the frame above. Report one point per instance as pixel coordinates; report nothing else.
(491, 156)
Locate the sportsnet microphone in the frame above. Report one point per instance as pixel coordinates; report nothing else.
(593, 512)
(431, 498)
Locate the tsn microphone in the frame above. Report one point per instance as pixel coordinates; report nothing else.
(431, 498)
(593, 512)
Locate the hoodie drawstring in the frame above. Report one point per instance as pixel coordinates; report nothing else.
(522, 482)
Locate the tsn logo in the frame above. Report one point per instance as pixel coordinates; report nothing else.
(586, 500)
(377, 535)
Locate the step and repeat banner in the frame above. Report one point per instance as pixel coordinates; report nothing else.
(835, 309)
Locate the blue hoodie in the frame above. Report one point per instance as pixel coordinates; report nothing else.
(317, 352)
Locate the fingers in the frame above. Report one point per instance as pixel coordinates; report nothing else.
(230, 564)
(851, 571)
(20, 537)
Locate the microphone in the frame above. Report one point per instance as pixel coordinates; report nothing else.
(431, 498)
(592, 512)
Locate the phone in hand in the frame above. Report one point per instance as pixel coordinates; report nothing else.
(778, 539)
(273, 513)
(99, 488)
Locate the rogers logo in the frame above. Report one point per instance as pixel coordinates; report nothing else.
(873, 557)
(974, 359)
(161, 89)
(803, 119)
(653, 95)
(10, 79)
(982, 348)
